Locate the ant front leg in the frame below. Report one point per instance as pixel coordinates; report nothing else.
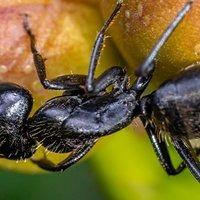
(98, 48)
(74, 157)
(66, 82)
(161, 150)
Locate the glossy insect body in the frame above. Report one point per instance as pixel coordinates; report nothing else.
(175, 108)
(15, 106)
(87, 117)
(102, 115)
(86, 111)
(46, 125)
(83, 117)
(19, 133)
(176, 105)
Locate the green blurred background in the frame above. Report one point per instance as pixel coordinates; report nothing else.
(76, 183)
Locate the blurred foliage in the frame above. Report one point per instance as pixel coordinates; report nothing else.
(77, 183)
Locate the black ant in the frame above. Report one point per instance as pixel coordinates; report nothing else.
(74, 121)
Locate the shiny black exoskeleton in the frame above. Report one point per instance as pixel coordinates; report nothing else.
(88, 109)
(15, 106)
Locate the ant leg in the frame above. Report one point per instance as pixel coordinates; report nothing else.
(146, 67)
(189, 157)
(74, 157)
(161, 150)
(98, 48)
(71, 82)
(114, 75)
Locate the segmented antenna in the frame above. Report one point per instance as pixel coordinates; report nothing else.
(98, 47)
(147, 67)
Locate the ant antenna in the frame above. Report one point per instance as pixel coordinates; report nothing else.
(147, 67)
(96, 52)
